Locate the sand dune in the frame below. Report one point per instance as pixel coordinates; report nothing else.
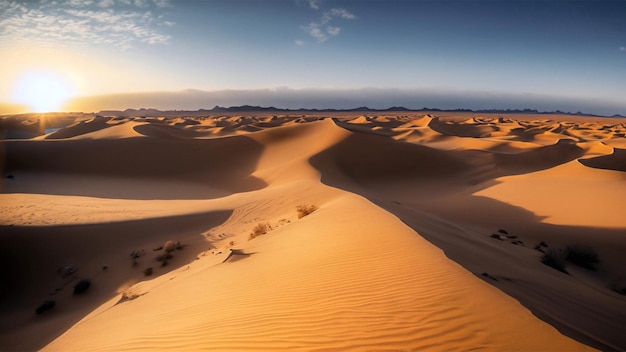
(426, 235)
(616, 161)
(82, 127)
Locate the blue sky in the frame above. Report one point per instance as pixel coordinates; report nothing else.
(567, 51)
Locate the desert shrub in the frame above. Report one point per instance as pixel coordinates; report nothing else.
(82, 286)
(128, 296)
(260, 229)
(137, 253)
(169, 246)
(554, 259)
(583, 256)
(305, 209)
(163, 256)
(148, 271)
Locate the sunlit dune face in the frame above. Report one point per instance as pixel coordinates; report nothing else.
(42, 91)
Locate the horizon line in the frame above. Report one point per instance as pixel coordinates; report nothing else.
(256, 108)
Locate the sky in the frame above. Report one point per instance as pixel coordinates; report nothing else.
(88, 55)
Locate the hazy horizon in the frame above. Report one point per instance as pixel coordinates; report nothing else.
(374, 98)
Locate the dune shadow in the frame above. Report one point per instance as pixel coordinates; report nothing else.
(236, 255)
(370, 167)
(221, 166)
(108, 255)
(461, 129)
(615, 161)
(81, 127)
(540, 158)
(167, 131)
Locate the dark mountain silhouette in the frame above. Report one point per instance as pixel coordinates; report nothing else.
(149, 112)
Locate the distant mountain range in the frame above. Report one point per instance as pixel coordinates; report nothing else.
(252, 109)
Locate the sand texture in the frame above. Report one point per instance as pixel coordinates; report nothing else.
(423, 232)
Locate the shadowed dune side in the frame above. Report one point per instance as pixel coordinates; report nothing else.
(225, 163)
(583, 311)
(367, 158)
(117, 130)
(615, 161)
(24, 126)
(364, 124)
(568, 194)
(447, 214)
(461, 129)
(30, 258)
(539, 158)
(81, 127)
(167, 131)
(288, 148)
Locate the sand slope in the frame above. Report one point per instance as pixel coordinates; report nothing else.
(363, 272)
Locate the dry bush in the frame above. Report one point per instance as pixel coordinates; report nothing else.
(260, 229)
(163, 257)
(583, 256)
(82, 286)
(305, 209)
(169, 246)
(554, 259)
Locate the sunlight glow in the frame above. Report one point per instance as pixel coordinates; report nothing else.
(42, 91)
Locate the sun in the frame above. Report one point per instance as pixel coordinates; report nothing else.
(42, 91)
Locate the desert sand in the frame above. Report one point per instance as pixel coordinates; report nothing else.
(427, 233)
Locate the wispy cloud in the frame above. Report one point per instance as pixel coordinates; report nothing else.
(622, 48)
(315, 4)
(321, 30)
(78, 3)
(106, 3)
(162, 3)
(299, 42)
(342, 13)
(332, 30)
(118, 23)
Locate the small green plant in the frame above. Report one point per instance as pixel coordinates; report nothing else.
(305, 209)
(260, 229)
(583, 256)
(554, 259)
